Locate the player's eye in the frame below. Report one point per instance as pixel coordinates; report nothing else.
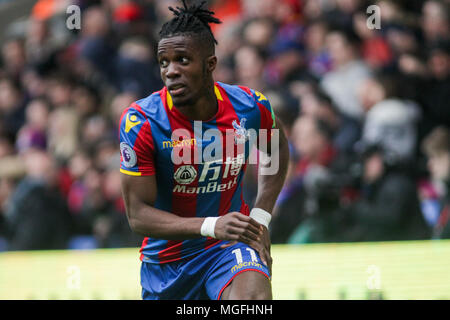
(184, 60)
(163, 63)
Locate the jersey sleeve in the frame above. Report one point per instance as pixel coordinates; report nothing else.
(265, 109)
(267, 115)
(137, 150)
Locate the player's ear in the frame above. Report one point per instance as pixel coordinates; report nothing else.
(211, 63)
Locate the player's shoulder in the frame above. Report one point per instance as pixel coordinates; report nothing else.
(150, 105)
(244, 94)
(145, 108)
(237, 91)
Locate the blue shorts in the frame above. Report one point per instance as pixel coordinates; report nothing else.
(200, 278)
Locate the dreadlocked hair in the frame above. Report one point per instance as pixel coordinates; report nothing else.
(193, 20)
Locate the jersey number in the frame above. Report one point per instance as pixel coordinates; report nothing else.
(238, 255)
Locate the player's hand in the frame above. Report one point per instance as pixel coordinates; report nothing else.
(262, 246)
(264, 249)
(261, 243)
(236, 226)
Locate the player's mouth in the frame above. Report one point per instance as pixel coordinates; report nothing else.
(176, 89)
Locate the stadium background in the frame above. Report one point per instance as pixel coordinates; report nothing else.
(365, 211)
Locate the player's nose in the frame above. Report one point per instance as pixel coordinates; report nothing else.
(172, 71)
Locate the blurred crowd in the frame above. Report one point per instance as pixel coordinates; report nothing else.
(366, 111)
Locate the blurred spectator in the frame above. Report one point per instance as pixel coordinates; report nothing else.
(434, 91)
(316, 9)
(435, 20)
(392, 123)
(14, 57)
(249, 66)
(78, 165)
(33, 83)
(137, 68)
(311, 138)
(401, 40)
(94, 130)
(85, 100)
(391, 12)
(6, 189)
(130, 19)
(299, 200)
(389, 208)
(347, 73)
(92, 202)
(376, 89)
(346, 131)
(62, 132)
(12, 105)
(37, 216)
(105, 153)
(40, 45)
(435, 191)
(33, 132)
(6, 144)
(96, 50)
(59, 90)
(259, 8)
(375, 50)
(286, 58)
(285, 107)
(318, 59)
(259, 33)
(284, 65)
(389, 121)
(342, 13)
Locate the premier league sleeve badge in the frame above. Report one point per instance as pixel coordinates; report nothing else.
(129, 158)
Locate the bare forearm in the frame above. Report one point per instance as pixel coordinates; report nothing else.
(155, 223)
(139, 195)
(269, 186)
(159, 224)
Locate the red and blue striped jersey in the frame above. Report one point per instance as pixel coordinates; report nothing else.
(198, 166)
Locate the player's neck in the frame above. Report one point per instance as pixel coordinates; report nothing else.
(203, 109)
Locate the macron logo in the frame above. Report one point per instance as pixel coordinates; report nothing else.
(131, 122)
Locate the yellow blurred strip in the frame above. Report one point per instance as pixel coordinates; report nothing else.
(130, 173)
(218, 95)
(169, 101)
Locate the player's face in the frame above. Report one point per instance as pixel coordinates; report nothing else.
(184, 68)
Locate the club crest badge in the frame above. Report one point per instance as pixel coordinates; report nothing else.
(185, 174)
(240, 133)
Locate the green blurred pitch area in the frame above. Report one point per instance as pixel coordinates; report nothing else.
(388, 270)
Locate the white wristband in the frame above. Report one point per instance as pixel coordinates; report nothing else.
(207, 229)
(261, 216)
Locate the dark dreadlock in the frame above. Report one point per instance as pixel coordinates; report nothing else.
(193, 20)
